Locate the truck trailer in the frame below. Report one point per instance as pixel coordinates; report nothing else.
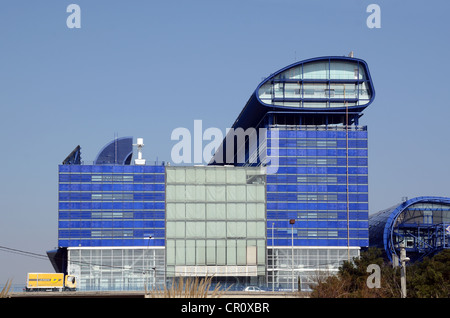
(50, 282)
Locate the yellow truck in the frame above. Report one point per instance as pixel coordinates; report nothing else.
(50, 282)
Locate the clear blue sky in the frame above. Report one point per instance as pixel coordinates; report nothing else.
(143, 68)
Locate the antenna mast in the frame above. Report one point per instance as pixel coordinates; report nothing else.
(140, 145)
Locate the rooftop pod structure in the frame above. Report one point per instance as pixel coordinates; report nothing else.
(421, 224)
(319, 92)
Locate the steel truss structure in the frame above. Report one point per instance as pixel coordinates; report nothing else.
(422, 224)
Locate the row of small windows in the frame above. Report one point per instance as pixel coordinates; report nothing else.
(354, 220)
(298, 89)
(159, 180)
(106, 233)
(111, 205)
(322, 170)
(81, 233)
(86, 233)
(303, 184)
(318, 143)
(318, 233)
(271, 215)
(321, 233)
(112, 187)
(316, 178)
(317, 197)
(114, 241)
(279, 188)
(314, 214)
(326, 152)
(113, 178)
(295, 205)
(357, 220)
(271, 178)
(325, 161)
(112, 169)
(79, 177)
(82, 196)
(319, 133)
(318, 241)
(99, 215)
(160, 215)
(113, 225)
(88, 215)
(342, 197)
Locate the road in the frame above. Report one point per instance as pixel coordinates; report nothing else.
(141, 294)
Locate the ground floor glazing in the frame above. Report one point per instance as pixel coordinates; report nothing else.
(139, 268)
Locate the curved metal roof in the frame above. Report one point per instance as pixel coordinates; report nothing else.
(118, 151)
(381, 224)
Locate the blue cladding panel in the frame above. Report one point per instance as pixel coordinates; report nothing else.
(111, 205)
(310, 186)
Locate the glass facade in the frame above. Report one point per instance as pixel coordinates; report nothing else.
(112, 220)
(319, 186)
(119, 268)
(299, 268)
(320, 84)
(111, 205)
(216, 222)
(317, 201)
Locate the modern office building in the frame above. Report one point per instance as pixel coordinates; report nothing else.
(421, 224)
(284, 197)
(306, 118)
(111, 220)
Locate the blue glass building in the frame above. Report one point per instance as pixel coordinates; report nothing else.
(300, 126)
(106, 206)
(316, 186)
(307, 116)
(111, 203)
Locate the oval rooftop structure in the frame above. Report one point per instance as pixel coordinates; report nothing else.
(326, 83)
(322, 85)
